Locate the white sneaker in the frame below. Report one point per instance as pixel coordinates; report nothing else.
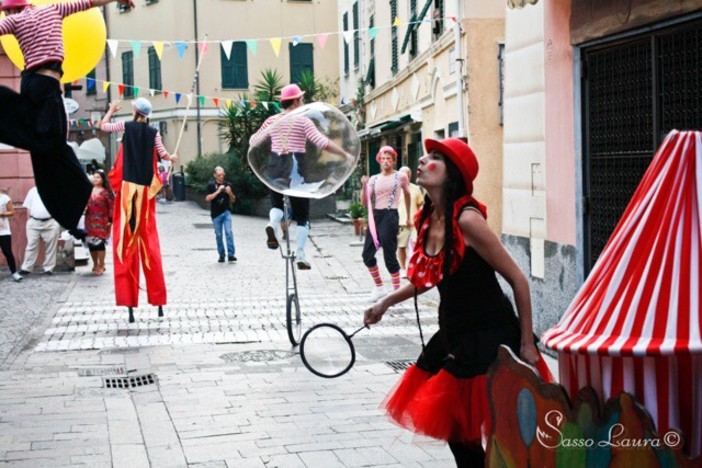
(17, 277)
(302, 263)
(378, 293)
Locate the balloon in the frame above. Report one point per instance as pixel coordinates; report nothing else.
(315, 173)
(84, 38)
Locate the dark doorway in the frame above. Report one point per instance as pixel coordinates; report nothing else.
(634, 92)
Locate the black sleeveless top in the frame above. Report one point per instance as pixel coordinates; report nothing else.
(475, 317)
(138, 143)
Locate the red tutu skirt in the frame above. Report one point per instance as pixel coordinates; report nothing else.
(443, 406)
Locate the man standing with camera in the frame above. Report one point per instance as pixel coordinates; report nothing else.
(221, 197)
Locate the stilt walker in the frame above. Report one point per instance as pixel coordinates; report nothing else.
(136, 183)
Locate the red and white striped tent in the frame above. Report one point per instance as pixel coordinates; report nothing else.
(635, 324)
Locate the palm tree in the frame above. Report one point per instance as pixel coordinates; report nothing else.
(268, 87)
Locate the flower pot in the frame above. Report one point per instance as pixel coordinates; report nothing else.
(357, 223)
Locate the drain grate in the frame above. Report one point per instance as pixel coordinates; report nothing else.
(399, 366)
(99, 371)
(130, 381)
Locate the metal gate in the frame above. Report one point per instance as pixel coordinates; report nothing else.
(634, 92)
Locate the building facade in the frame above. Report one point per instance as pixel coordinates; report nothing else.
(422, 80)
(254, 29)
(591, 90)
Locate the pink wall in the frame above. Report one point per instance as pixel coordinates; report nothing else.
(560, 147)
(15, 171)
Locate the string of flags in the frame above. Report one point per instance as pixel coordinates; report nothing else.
(252, 44)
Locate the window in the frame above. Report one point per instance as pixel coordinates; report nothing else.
(151, 2)
(393, 37)
(128, 73)
(235, 71)
(453, 130)
(438, 28)
(370, 76)
(356, 38)
(346, 46)
(301, 59)
(154, 70)
(90, 84)
(413, 28)
(123, 8)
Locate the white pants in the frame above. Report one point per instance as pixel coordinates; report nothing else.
(48, 231)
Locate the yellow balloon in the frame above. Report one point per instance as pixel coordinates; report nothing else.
(84, 38)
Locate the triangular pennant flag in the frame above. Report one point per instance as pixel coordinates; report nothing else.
(296, 40)
(228, 103)
(454, 19)
(252, 104)
(242, 103)
(322, 40)
(136, 48)
(182, 47)
(152, 92)
(136, 90)
(275, 43)
(265, 104)
(165, 95)
(215, 101)
(105, 85)
(158, 47)
(397, 22)
(348, 35)
(201, 99)
(227, 47)
(114, 45)
(372, 32)
(252, 44)
(177, 97)
(277, 106)
(120, 87)
(190, 98)
(203, 47)
(90, 82)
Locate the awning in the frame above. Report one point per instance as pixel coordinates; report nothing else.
(520, 3)
(415, 21)
(385, 125)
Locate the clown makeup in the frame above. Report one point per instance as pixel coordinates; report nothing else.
(387, 161)
(432, 170)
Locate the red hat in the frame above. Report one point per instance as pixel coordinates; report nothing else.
(460, 154)
(386, 149)
(7, 4)
(290, 92)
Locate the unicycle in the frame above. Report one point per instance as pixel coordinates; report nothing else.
(293, 318)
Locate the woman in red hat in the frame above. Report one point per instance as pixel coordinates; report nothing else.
(444, 395)
(35, 118)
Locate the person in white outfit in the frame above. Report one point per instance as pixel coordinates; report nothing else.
(6, 212)
(40, 227)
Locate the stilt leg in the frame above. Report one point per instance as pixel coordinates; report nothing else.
(131, 314)
(160, 311)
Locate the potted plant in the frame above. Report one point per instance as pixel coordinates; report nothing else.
(357, 212)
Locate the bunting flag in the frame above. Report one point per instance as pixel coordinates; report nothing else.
(120, 87)
(182, 47)
(177, 97)
(203, 46)
(397, 22)
(105, 86)
(136, 48)
(165, 94)
(296, 40)
(136, 90)
(252, 44)
(275, 43)
(202, 100)
(113, 45)
(158, 47)
(372, 32)
(89, 82)
(228, 103)
(215, 101)
(348, 35)
(189, 96)
(227, 48)
(322, 40)
(152, 92)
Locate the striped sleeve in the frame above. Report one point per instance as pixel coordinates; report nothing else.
(256, 137)
(7, 26)
(75, 6)
(314, 135)
(160, 149)
(113, 127)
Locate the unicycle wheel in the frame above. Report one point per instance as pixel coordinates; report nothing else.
(293, 319)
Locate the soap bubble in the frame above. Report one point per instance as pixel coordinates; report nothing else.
(287, 158)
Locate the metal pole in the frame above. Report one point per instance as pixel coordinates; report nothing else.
(459, 64)
(197, 82)
(108, 159)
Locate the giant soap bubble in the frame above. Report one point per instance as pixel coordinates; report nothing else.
(287, 157)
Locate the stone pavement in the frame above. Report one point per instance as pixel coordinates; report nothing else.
(218, 383)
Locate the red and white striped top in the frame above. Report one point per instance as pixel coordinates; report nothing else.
(120, 127)
(289, 135)
(39, 30)
(642, 298)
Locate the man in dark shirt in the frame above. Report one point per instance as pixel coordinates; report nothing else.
(221, 197)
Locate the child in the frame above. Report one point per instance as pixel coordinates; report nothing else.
(35, 119)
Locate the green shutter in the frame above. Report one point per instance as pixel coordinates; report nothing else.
(393, 36)
(346, 46)
(356, 38)
(154, 70)
(301, 59)
(128, 73)
(235, 70)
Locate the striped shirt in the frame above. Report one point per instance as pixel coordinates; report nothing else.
(120, 127)
(289, 136)
(39, 30)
